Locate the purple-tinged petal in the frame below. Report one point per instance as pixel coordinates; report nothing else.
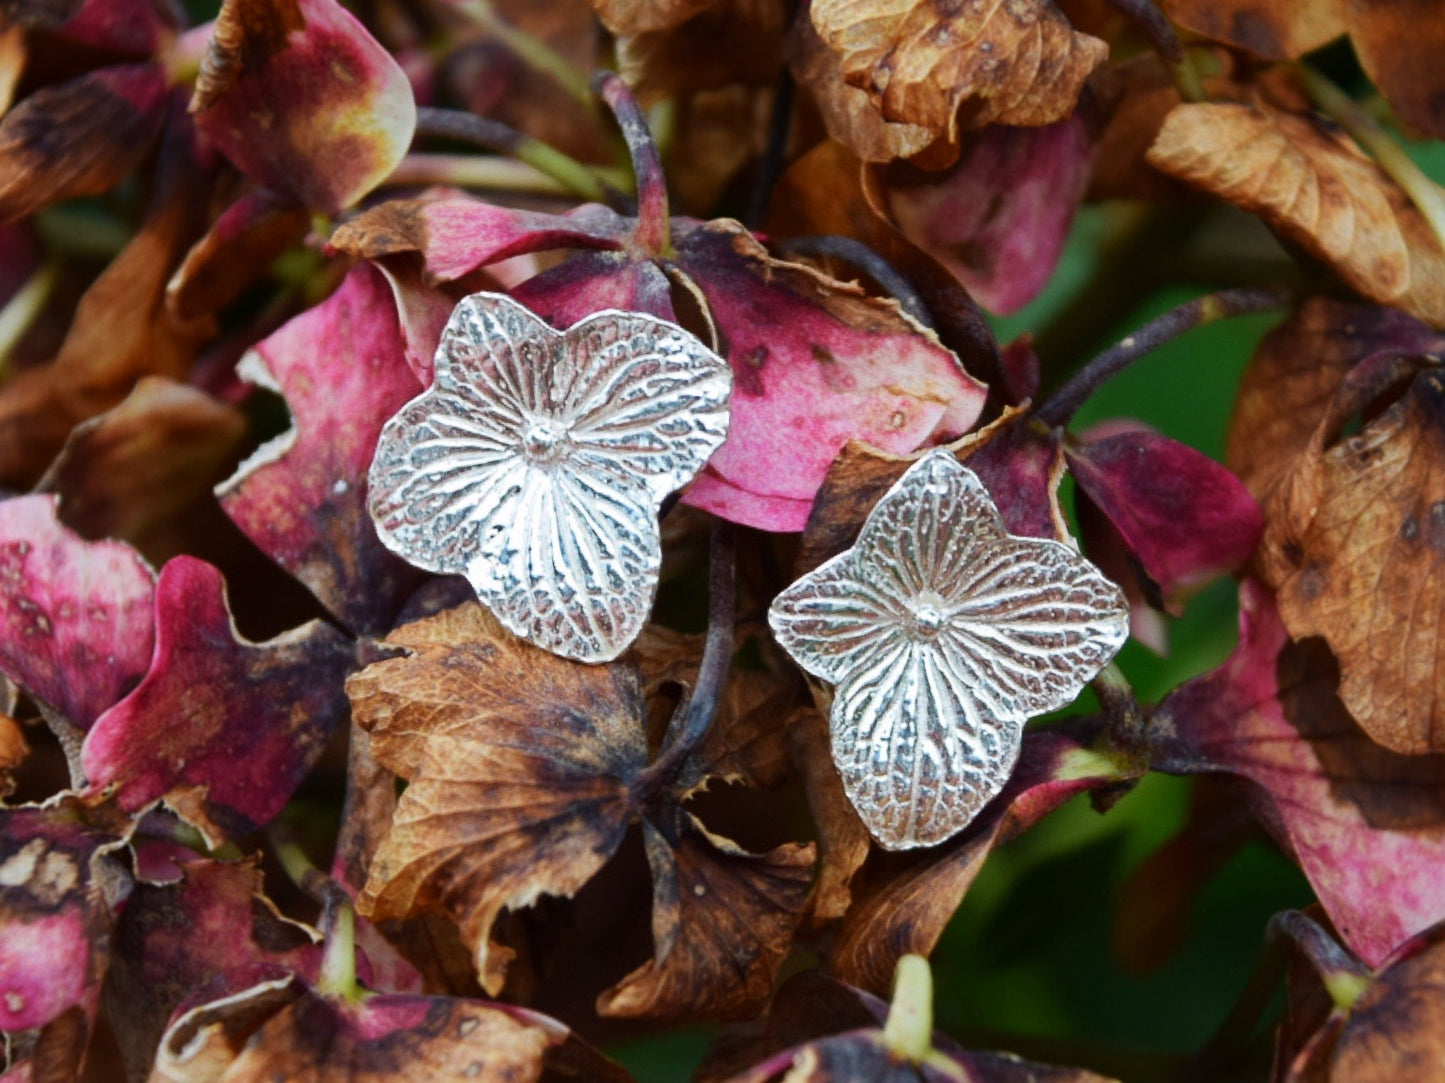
(1366, 825)
(76, 624)
(458, 236)
(129, 27)
(816, 363)
(302, 98)
(422, 312)
(1022, 467)
(1185, 518)
(174, 938)
(999, 218)
(220, 728)
(302, 497)
(593, 281)
(78, 138)
(58, 890)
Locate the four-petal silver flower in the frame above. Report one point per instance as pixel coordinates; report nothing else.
(943, 633)
(536, 462)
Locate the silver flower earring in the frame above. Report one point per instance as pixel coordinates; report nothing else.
(536, 462)
(943, 634)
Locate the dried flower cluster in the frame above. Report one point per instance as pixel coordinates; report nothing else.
(280, 797)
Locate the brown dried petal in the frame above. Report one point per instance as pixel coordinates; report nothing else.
(722, 923)
(1315, 188)
(1399, 43)
(1355, 538)
(727, 42)
(1271, 29)
(238, 249)
(78, 138)
(519, 765)
(132, 471)
(1017, 63)
(849, 115)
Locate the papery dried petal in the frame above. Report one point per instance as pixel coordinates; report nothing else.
(301, 97)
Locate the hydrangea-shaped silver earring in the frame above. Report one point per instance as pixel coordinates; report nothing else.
(536, 462)
(943, 633)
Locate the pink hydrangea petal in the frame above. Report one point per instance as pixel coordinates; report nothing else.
(1364, 823)
(222, 729)
(1185, 518)
(999, 218)
(302, 98)
(458, 236)
(76, 626)
(592, 281)
(131, 27)
(57, 893)
(342, 367)
(813, 368)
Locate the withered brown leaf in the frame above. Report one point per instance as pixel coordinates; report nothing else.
(525, 770)
(1354, 542)
(1019, 63)
(1272, 29)
(1316, 188)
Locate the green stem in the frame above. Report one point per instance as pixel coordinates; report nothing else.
(1427, 196)
(21, 310)
(908, 1032)
(474, 171)
(337, 977)
(494, 135)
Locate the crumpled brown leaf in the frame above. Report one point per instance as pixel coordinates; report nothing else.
(1311, 184)
(971, 63)
(525, 770)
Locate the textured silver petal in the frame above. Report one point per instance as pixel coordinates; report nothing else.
(536, 461)
(944, 634)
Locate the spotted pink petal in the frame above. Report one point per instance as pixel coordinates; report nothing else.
(76, 624)
(999, 218)
(1365, 824)
(303, 99)
(58, 890)
(220, 728)
(1185, 518)
(301, 498)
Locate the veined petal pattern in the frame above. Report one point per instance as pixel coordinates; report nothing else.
(536, 462)
(943, 634)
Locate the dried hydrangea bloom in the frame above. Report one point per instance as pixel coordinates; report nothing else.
(536, 462)
(943, 634)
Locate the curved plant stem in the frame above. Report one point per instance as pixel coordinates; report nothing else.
(892, 281)
(1060, 408)
(770, 165)
(1428, 197)
(473, 171)
(494, 135)
(654, 230)
(337, 977)
(694, 716)
(1159, 32)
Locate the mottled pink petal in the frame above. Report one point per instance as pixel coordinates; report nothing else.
(76, 626)
(173, 938)
(303, 99)
(1366, 825)
(999, 218)
(1022, 467)
(58, 890)
(301, 498)
(422, 312)
(458, 236)
(1185, 518)
(814, 366)
(222, 729)
(592, 281)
